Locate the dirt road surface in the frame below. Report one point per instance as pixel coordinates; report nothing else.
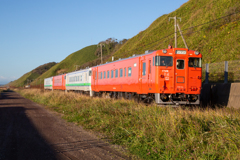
(29, 132)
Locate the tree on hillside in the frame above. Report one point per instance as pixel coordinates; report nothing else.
(109, 45)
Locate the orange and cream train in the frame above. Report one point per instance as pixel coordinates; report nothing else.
(168, 76)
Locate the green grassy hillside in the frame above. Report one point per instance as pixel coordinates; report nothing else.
(30, 76)
(204, 28)
(69, 63)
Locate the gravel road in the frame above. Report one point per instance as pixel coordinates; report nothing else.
(29, 132)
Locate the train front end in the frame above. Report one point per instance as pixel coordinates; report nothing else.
(178, 76)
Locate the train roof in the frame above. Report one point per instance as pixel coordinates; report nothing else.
(79, 71)
(47, 78)
(133, 56)
(146, 53)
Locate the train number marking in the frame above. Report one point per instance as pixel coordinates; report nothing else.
(164, 70)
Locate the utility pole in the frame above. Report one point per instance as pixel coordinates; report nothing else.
(77, 66)
(175, 25)
(101, 51)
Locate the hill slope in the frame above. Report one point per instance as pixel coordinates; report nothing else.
(69, 63)
(30, 76)
(204, 29)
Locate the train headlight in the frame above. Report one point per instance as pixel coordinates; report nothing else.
(197, 53)
(164, 51)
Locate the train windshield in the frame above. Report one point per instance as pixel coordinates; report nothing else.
(163, 61)
(195, 62)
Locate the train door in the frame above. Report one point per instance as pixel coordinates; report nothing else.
(95, 77)
(180, 75)
(64, 82)
(149, 74)
(144, 77)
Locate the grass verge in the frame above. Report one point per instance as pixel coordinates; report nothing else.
(151, 132)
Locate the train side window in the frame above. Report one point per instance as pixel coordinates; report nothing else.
(144, 69)
(104, 75)
(129, 71)
(153, 61)
(121, 72)
(116, 73)
(101, 75)
(180, 64)
(90, 73)
(112, 73)
(107, 74)
(95, 75)
(125, 72)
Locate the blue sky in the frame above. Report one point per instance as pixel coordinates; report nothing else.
(35, 32)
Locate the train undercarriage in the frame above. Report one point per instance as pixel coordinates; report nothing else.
(161, 99)
(177, 99)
